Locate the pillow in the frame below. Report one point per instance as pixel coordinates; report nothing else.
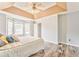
(3, 38)
(2, 43)
(15, 37)
(6, 47)
(10, 39)
(1, 34)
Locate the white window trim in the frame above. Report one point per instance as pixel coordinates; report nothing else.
(13, 31)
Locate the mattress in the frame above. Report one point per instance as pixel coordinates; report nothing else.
(26, 47)
(26, 39)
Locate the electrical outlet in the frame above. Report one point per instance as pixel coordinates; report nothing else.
(69, 40)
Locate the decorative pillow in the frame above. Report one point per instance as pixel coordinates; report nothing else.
(1, 34)
(2, 43)
(3, 38)
(6, 47)
(15, 37)
(10, 39)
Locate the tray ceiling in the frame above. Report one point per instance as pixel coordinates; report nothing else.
(33, 10)
(27, 6)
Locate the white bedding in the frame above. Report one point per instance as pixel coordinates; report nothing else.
(26, 47)
(26, 39)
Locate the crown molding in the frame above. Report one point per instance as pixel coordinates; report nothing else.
(59, 7)
(17, 11)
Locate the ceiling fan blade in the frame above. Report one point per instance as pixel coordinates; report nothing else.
(41, 5)
(39, 9)
(29, 4)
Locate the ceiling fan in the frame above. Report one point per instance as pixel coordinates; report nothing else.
(36, 6)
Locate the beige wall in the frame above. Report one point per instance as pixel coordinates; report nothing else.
(73, 28)
(2, 23)
(62, 28)
(49, 28)
(69, 28)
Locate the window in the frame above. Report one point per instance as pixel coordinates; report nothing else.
(18, 28)
(27, 28)
(10, 27)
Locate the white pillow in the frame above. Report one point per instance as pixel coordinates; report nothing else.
(15, 37)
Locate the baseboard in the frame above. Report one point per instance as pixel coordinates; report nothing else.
(51, 42)
(71, 44)
(63, 43)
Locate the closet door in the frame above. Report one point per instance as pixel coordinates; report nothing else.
(62, 28)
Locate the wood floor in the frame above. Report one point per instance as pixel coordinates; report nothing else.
(51, 50)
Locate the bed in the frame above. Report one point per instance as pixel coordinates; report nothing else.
(26, 47)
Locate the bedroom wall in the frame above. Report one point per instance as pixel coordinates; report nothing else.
(49, 27)
(70, 30)
(38, 30)
(62, 28)
(32, 29)
(73, 28)
(2, 23)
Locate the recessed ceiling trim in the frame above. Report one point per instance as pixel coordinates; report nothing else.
(59, 7)
(17, 11)
(62, 5)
